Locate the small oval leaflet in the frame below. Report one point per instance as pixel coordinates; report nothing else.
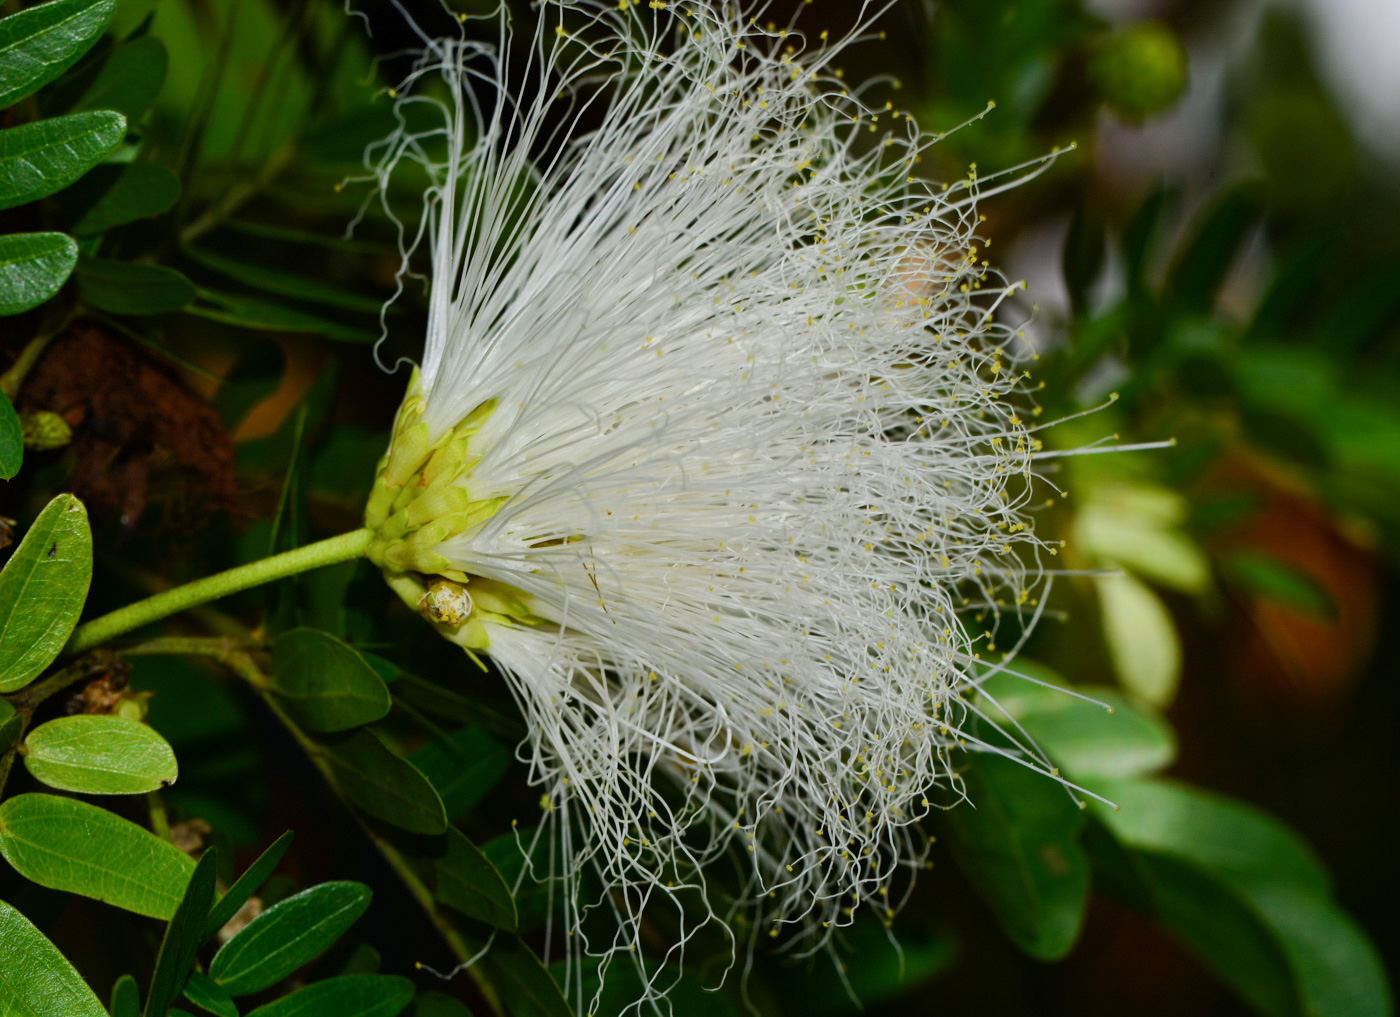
(70, 845)
(99, 755)
(42, 590)
(324, 684)
(45, 984)
(125, 287)
(348, 996)
(40, 158)
(33, 267)
(383, 784)
(40, 43)
(286, 936)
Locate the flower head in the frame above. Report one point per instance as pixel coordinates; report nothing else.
(717, 449)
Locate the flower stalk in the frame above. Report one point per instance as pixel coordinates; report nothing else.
(345, 547)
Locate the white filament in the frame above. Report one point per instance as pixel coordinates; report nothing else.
(758, 428)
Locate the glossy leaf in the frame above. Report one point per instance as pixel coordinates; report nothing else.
(284, 284)
(385, 785)
(40, 43)
(42, 590)
(1141, 638)
(36, 980)
(129, 80)
(1338, 970)
(33, 267)
(126, 997)
(324, 684)
(69, 845)
(124, 287)
(123, 194)
(462, 767)
(467, 882)
(182, 938)
(1226, 838)
(1087, 740)
(1016, 839)
(286, 936)
(1223, 931)
(246, 885)
(209, 995)
(348, 996)
(267, 316)
(99, 754)
(11, 439)
(40, 158)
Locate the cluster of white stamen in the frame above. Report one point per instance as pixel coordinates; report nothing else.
(756, 427)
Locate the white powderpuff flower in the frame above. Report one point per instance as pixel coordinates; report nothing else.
(718, 449)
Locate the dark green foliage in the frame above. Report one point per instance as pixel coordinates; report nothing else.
(174, 177)
(286, 936)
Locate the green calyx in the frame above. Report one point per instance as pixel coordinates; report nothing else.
(420, 499)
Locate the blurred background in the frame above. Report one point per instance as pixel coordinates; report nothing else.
(1217, 261)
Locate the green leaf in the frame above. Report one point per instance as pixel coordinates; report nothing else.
(1141, 234)
(69, 845)
(1083, 738)
(266, 316)
(1223, 931)
(1115, 531)
(182, 938)
(1226, 838)
(125, 287)
(40, 158)
(535, 896)
(11, 725)
(467, 882)
(126, 998)
(286, 936)
(437, 1004)
(33, 267)
(37, 981)
(348, 996)
(1270, 578)
(323, 684)
(209, 995)
(99, 754)
(1202, 265)
(129, 80)
(40, 43)
(1338, 970)
(1016, 839)
(385, 785)
(246, 885)
(121, 194)
(1141, 638)
(523, 982)
(283, 283)
(462, 767)
(11, 439)
(42, 590)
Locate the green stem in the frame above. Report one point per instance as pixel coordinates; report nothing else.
(345, 547)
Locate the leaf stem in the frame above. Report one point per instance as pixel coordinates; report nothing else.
(345, 547)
